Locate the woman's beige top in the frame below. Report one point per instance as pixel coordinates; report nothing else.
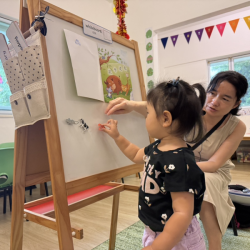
(217, 183)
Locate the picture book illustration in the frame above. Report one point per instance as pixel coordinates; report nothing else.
(115, 73)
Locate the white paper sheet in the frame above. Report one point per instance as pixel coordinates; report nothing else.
(85, 64)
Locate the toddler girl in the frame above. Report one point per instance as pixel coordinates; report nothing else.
(172, 186)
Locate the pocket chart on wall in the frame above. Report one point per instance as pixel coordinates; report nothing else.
(115, 73)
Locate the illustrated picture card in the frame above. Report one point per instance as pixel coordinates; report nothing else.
(115, 73)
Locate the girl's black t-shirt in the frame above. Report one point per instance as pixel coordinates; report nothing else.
(166, 172)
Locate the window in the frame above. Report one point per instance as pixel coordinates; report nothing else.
(240, 64)
(4, 87)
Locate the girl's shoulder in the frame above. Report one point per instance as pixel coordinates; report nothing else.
(151, 147)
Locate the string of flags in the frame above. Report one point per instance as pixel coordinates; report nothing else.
(209, 30)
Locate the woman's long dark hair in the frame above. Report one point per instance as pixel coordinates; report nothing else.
(182, 102)
(236, 79)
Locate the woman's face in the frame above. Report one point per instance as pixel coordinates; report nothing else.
(222, 100)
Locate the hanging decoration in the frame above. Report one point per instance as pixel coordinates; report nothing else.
(188, 35)
(234, 24)
(164, 41)
(209, 30)
(120, 10)
(247, 20)
(174, 39)
(221, 28)
(199, 33)
(150, 79)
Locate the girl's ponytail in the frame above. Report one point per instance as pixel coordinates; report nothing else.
(201, 93)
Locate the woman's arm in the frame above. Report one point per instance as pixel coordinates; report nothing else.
(176, 226)
(225, 151)
(123, 106)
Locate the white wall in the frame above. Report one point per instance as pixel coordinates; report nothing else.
(190, 61)
(141, 15)
(9, 8)
(199, 52)
(7, 128)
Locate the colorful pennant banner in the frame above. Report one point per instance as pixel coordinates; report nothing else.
(174, 39)
(234, 24)
(164, 41)
(209, 30)
(188, 35)
(221, 28)
(199, 33)
(247, 20)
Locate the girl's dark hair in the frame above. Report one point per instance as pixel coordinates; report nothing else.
(183, 103)
(236, 79)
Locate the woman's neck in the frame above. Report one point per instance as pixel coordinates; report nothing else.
(170, 142)
(211, 121)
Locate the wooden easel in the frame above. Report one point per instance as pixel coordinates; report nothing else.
(38, 157)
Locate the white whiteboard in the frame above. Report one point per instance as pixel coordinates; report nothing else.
(93, 152)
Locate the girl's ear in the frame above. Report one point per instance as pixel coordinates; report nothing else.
(167, 119)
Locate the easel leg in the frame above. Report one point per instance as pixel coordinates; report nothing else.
(114, 218)
(20, 152)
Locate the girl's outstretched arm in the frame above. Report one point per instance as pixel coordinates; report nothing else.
(130, 150)
(176, 226)
(123, 106)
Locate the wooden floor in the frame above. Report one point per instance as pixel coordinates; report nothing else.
(94, 219)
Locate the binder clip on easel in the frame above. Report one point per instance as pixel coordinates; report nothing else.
(37, 24)
(83, 125)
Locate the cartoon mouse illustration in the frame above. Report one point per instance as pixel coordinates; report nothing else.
(110, 91)
(115, 83)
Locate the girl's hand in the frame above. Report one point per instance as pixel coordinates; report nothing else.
(119, 106)
(110, 128)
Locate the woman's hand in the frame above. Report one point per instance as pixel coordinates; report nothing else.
(110, 128)
(123, 106)
(119, 106)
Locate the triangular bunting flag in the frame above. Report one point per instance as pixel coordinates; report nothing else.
(234, 24)
(164, 41)
(199, 33)
(209, 30)
(188, 35)
(221, 28)
(247, 20)
(174, 39)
